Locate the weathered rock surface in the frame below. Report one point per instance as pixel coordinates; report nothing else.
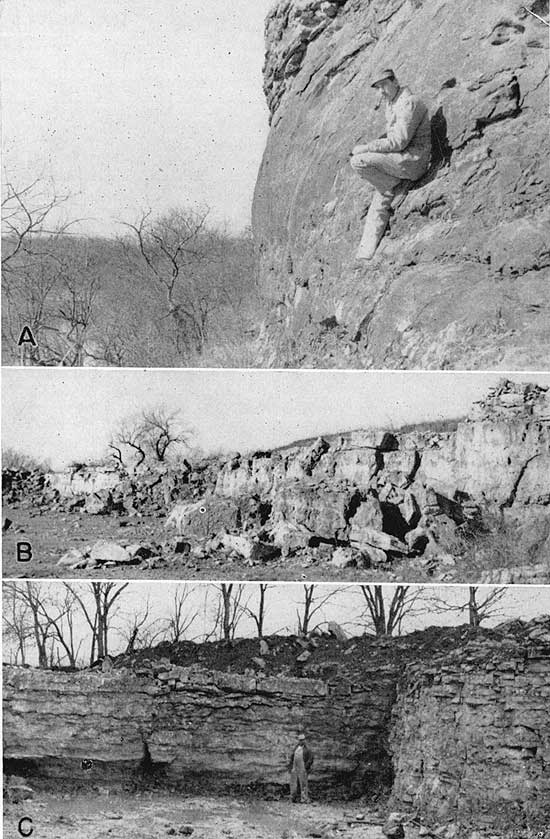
(465, 717)
(408, 496)
(461, 281)
(228, 729)
(478, 488)
(473, 736)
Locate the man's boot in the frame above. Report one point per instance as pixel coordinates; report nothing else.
(375, 224)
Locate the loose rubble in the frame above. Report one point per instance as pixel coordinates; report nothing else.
(432, 502)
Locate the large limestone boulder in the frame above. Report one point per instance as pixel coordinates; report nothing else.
(205, 518)
(461, 281)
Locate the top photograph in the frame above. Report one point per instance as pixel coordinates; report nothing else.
(295, 184)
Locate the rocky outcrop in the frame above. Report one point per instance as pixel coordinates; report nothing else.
(471, 736)
(409, 494)
(462, 278)
(475, 489)
(192, 725)
(458, 722)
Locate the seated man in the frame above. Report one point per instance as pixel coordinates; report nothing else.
(402, 154)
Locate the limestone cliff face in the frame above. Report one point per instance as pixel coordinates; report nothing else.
(474, 737)
(194, 724)
(463, 734)
(461, 281)
(390, 495)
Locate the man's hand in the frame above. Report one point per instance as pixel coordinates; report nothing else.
(360, 149)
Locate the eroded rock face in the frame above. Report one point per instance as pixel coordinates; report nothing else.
(227, 729)
(465, 719)
(473, 737)
(462, 278)
(404, 494)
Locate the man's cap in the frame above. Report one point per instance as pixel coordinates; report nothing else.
(382, 76)
(301, 736)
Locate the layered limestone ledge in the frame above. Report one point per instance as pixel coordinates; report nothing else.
(474, 738)
(226, 729)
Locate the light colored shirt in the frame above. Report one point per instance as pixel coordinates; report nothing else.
(298, 764)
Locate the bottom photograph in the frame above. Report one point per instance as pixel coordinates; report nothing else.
(258, 710)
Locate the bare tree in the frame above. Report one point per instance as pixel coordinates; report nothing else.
(80, 286)
(258, 614)
(172, 248)
(35, 267)
(180, 619)
(313, 604)
(17, 628)
(139, 630)
(63, 630)
(149, 437)
(230, 609)
(479, 607)
(385, 616)
(127, 437)
(161, 429)
(99, 615)
(25, 212)
(35, 614)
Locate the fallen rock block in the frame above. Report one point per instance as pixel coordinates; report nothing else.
(373, 556)
(343, 558)
(378, 539)
(240, 544)
(72, 558)
(264, 552)
(393, 828)
(99, 503)
(138, 551)
(104, 551)
(205, 518)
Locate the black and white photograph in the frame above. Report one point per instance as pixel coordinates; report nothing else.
(275, 419)
(292, 475)
(276, 183)
(259, 711)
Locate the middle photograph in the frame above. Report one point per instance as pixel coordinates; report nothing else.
(279, 475)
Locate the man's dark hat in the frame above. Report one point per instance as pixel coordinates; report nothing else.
(382, 76)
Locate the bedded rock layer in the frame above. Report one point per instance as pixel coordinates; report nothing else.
(389, 495)
(458, 726)
(196, 726)
(472, 736)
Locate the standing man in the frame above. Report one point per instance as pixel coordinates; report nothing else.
(300, 764)
(402, 154)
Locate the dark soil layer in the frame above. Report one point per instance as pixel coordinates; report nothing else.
(353, 658)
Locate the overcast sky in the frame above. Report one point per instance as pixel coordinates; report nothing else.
(132, 105)
(283, 599)
(68, 414)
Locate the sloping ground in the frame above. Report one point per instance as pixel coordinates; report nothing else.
(462, 279)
